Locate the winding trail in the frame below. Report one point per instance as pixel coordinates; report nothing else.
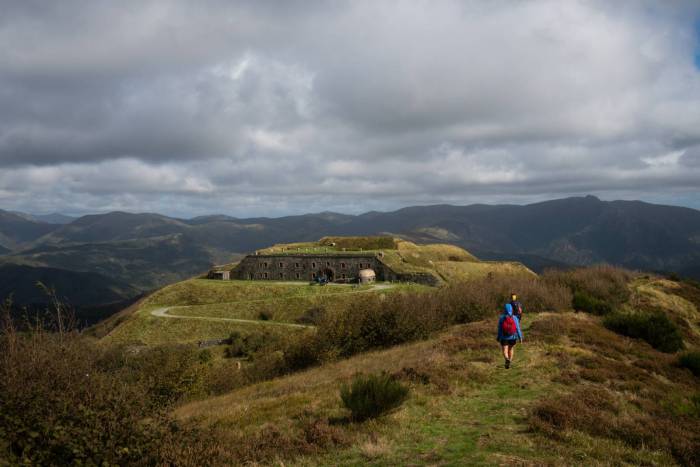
(164, 312)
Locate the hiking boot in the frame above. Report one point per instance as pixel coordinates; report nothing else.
(507, 363)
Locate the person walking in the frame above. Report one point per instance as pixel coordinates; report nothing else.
(517, 306)
(509, 333)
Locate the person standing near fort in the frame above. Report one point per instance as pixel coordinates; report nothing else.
(509, 333)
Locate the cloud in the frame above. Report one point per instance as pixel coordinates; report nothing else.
(251, 108)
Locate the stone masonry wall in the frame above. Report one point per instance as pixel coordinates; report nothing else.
(307, 267)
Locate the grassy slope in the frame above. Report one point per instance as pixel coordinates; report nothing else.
(283, 302)
(460, 271)
(465, 409)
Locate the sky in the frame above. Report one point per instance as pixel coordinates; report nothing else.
(266, 108)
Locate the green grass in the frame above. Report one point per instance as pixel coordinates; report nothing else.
(464, 408)
(203, 298)
(206, 291)
(463, 271)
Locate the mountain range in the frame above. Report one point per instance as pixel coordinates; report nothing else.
(132, 253)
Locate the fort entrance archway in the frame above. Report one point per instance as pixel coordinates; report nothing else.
(329, 274)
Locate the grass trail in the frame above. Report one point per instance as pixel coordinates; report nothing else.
(483, 421)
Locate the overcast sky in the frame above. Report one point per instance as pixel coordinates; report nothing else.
(272, 108)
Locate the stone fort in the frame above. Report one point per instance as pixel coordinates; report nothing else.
(335, 267)
(336, 259)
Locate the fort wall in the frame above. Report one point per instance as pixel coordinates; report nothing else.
(308, 267)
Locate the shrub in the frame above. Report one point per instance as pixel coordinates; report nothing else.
(265, 315)
(582, 301)
(205, 356)
(312, 316)
(301, 351)
(59, 405)
(245, 345)
(691, 361)
(372, 395)
(602, 282)
(654, 327)
(476, 299)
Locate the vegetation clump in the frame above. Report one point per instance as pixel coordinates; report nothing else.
(312, 316)
(652, 326)
(583, 301)
(372, 395)
(597, 289)
(245, 345)
(359, 243)
(691, 361)
(64, 400)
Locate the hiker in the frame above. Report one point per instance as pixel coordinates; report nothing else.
(517, 306)
(508, 333)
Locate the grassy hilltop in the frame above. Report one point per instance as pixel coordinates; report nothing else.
(217, 308)
(607, 375)
(448, 263)
(206, 309)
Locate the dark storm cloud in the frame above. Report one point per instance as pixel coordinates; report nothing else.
(269, 107)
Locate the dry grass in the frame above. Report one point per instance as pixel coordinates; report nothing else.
(453, 271)
(668, 297)
(622, 390)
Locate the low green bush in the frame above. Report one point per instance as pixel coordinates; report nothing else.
(654, 327)
(691, 361)
(372, 395)
(245, 345)
(583, 301)
(604, 283)
(312, 316)
(265, 315)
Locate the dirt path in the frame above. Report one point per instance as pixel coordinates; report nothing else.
(163, 312)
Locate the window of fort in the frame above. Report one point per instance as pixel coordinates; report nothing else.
(328, 264)
(265, 265)
(296, 265)
(342, 265)
(281, 265)
(313, 265)
(343, 276)
(313, 275)
(250, 276)
(298, 276)
(281, 275)
(265, 276)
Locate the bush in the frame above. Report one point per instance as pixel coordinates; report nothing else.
(654, 327)
(691, 361)
(59, 405)
(476, 299)
(372, 395)
(242, 346)
(312, 316)
(265, 315)
(604, 283)
(582, 301)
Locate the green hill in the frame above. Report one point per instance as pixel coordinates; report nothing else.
(202, 309)
(577, 394)
(447, 263)
(613, 383)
